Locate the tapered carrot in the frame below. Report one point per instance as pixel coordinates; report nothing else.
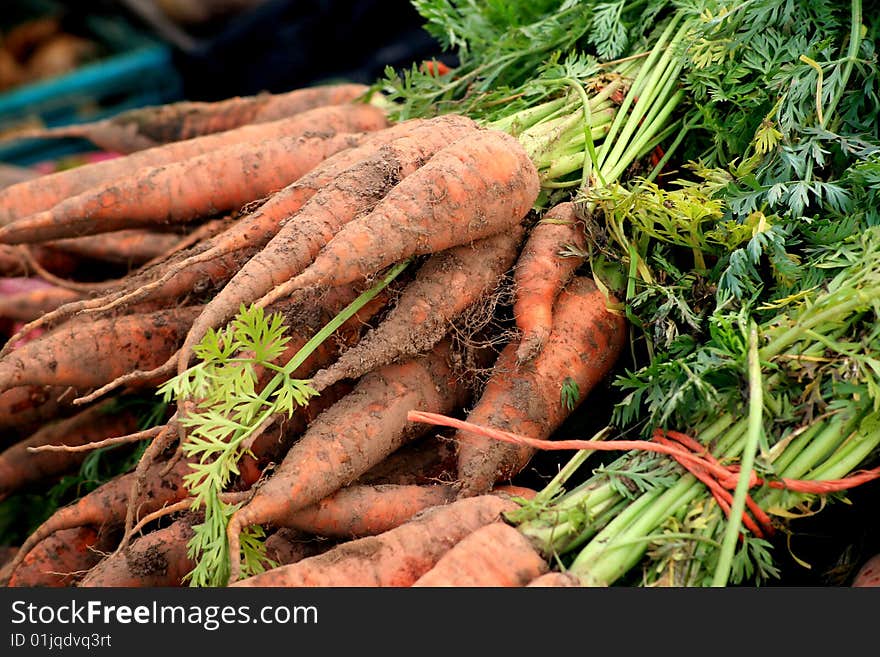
(396, 558)
(220, 181)
(131, 247)
(86, 354)
(62, 558)
(20, 467)
(157, 559)
(583, 345)
(541, 272)
(495, 555)
(358, 510)
(106, 506)
(350, 437)
(42, 193)
(446, 285)
(355, 191)
(147, 127)
(478, 186)
(213, 263)
(32, 304)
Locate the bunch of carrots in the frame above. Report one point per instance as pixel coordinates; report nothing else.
(297, 272)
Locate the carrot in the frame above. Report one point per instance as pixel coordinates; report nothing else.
(209, 265)
(61, 559)
(494, 555)
(427, 460)
(156, 559)
(355, 511)
(354, 191)
(541, 272)
(480, 185)
(107, 505)
(222, 180)
(395, 558)
(85, 354)
(350, 437)
(24, 408)
(555, 579)
(583, 345)
(286, 546)
(445, 286)
(32, 304)
(147, 127)
(29, 197)
(17, 260)
(130, 247)
(20, 468)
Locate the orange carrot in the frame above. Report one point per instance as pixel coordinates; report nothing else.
(480, 185)
(427, 460)
(31, 304)
(29, 197)
(20, 468)
(85, 354)
(223, 180)
(583, 345)
(354, 191)
(24, 408)
(128, 247)
(444, 287)
(106, 506)
(62, 558)
(146, 127)
(350, 437)
(396, 558)
(541, 272)
(357, 510)
(156, 559)
(495, 555)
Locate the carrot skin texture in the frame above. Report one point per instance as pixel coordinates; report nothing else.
(480, 185)
(220, 181)
(147, 127)
(157, 559)
(42, 193)
(584, 344)
(23, 409)
(296, 243)
(87, 354)
(60, 559)
(358, 510)
(541, 273)
(20, 468)
(446, 285)
(494, 555)
(396, 558)
(350, 437)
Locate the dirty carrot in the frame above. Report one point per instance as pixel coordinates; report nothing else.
(542, 271)
(494, 555)
(23, 409)
(396, 558)
(88, 353)
(42, 193)
(20, 467)
(147, 127)
(223, 180)
(32, 304)
(106, 506)
(62, 558)
(446, 285)
(350, 437)
(583, 345)
(427, 460)
(296, 243)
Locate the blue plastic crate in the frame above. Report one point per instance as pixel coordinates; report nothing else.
(140, 77)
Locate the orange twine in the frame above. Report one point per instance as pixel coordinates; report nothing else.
(689, 453)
